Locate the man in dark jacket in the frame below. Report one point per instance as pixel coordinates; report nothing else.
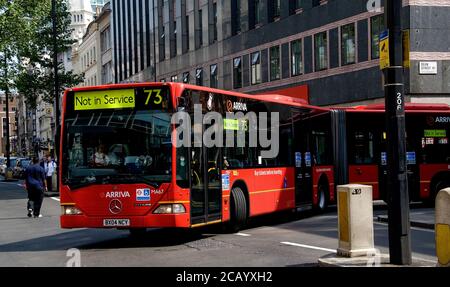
(36, 185)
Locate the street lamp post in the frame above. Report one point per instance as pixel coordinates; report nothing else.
(8, 143)
(56, 84)
(398, 197)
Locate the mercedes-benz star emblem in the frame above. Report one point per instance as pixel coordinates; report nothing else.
(115, 206)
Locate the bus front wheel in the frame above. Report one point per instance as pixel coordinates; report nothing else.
(238, 210)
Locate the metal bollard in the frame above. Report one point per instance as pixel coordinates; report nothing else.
(355, 220)
(442, 227)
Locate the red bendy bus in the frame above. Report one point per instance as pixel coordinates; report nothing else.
(119, 168)
(360, 152)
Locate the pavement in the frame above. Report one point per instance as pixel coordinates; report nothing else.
(285, 239)
(420, 215)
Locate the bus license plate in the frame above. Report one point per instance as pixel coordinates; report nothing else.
(116, 222)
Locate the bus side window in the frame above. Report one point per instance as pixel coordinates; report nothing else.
(362, 148)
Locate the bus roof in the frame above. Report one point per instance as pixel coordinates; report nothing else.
(179, 87)
(409, 107)
(273, 98)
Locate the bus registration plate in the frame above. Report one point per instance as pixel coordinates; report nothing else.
(116, 222)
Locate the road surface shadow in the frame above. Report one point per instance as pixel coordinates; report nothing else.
(87, 239)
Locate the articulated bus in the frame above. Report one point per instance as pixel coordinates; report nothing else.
(361, 136)
(121, 166)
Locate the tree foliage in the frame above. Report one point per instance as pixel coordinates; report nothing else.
(27, 35)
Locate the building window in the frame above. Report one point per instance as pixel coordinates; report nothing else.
(107, 73)
(276, 8)
(200, 27)
(186, 77)
(295, 6)
(296, 58)
(256, 68)
(376, 27)
(4, 127)
(275, 71)
(320, 51)
(186, 32)
(348, 44)
(237, 73)
(174, 79)
(199, 77)
(162, 80)
(214, 83)
(105, 40)
(258, 4)
(174, 52)
(235, 17)
(215, 21)
(162, 52)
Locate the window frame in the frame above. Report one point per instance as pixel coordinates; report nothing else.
(342, 49)
(316, 61)
(255, 68)
(271, 63)
(291, 60)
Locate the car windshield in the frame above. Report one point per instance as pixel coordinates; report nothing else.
(113, 147)
(25, 163)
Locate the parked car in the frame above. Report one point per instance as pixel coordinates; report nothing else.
(13, 163)
(2, 165)
(20, 167)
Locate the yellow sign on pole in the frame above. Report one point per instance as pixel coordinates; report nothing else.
(384, 50)
(406, 48)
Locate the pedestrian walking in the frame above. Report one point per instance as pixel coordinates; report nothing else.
(36, 185)
(50, 169)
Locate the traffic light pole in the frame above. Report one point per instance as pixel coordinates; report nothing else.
(398, 197)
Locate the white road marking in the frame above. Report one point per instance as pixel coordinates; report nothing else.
(412, 227)
(309, 246)
(55, 198)
(242, 234)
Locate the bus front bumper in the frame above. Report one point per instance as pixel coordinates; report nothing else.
(125, 222)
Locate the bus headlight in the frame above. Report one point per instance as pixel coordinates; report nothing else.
(71, 210)
(170, 209)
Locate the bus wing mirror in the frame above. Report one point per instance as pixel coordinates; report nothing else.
(181, 104)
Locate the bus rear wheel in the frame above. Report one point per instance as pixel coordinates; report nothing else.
(323, 198)
(440, 185)
(238, 210)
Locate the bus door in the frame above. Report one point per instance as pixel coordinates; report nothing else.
(412, 166)
(303, 164)
(206, 189)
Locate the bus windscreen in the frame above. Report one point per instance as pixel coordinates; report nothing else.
(117, 136)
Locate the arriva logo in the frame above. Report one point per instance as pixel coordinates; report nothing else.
(118, 194)
(443, 119)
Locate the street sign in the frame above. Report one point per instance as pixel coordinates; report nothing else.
(384, 50)
(428, 68)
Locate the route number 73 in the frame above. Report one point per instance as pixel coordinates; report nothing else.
(155, 94)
